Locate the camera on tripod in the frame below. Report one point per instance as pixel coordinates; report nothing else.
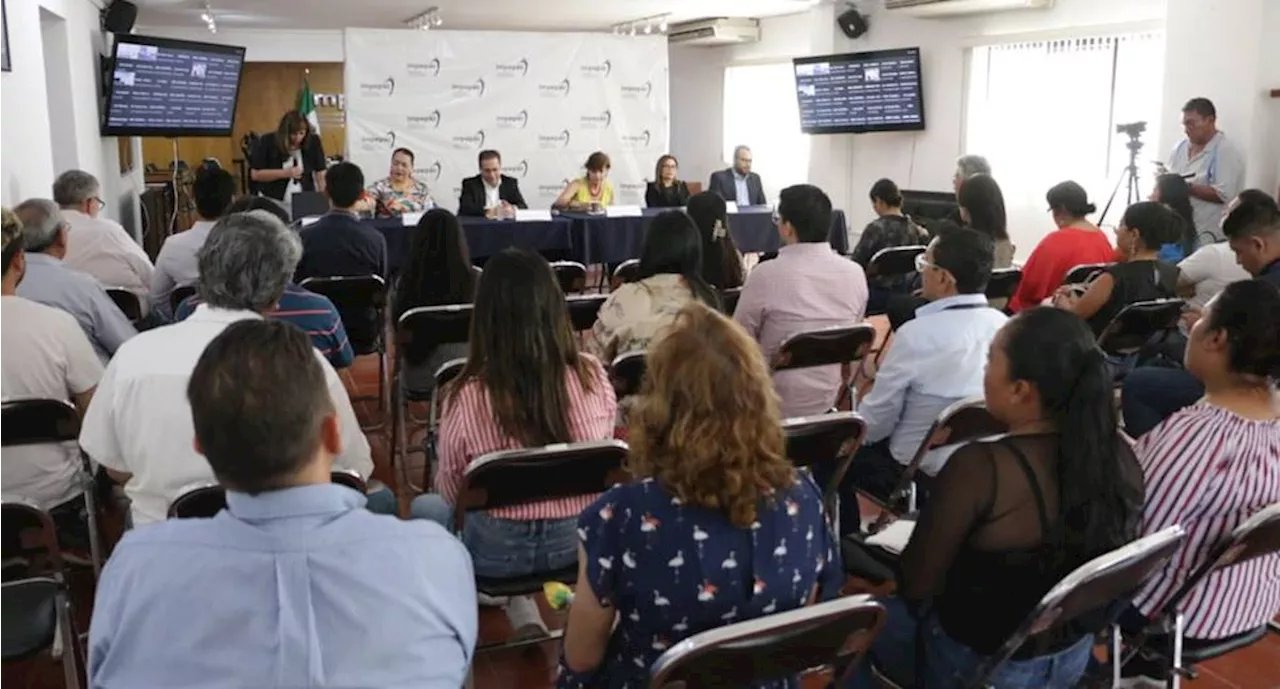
(1132, 129)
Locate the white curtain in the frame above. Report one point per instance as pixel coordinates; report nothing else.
(761, 111)
(1045, 111)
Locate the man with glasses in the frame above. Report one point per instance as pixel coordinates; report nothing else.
(99, 246)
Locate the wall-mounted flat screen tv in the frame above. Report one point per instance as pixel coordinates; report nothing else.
(877, 91)
(167, 87)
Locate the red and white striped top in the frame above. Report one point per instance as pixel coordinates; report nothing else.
(1209, 470)
(469, 429)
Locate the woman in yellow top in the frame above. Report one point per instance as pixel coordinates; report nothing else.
(591, 192)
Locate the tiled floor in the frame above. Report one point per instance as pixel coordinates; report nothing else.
(534, 667)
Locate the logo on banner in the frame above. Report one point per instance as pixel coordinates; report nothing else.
(511, 69)
(518, 170)
(631, 187)
(386, 87)
(599, 70)
(379, 142)
(558, 140)
(475, 88)
(559, 89)
(432, 171)
(600, 121)
(551, 191)
(424, 69)
(431, 120)
(465, 141)
(519, 120)
(640, 140)
(638, 91)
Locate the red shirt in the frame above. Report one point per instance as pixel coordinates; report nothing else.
(1053, 257)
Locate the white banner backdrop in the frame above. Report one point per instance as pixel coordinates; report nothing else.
(545, 101)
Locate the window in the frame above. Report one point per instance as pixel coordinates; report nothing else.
(1046, 111)
(760, 111)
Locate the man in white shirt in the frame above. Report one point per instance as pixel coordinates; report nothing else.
(139, 426)
(1212, 165)
(214, 189)
(99, 246)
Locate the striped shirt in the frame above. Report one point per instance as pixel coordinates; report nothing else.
(312, 312)
(1209, 470)
(469, 429)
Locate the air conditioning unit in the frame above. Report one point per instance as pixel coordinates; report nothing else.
(720, 31)
(951, 8)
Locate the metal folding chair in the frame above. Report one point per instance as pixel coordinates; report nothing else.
(348, 478)
(894, 261)
(627, 271)
(180, 295)
(826, 438)
(517, 477)
(834, 635)
(842, 344)
(583, 309)
(1084, 273)
(200, 500)
(47, 422)
(127, 302)
(353, 296)
(626, 372)
(1139, 323)
(571, 275)
(1003, 284)
(419, 332)
(729, 300)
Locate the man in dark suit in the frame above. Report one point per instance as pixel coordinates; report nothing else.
(738, 183)
(490, 194)
(338, 244)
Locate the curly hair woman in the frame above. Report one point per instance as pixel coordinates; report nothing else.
(719, 527)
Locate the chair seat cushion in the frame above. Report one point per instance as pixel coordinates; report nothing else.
(29, 611)
(1200, 650)
(525, 585)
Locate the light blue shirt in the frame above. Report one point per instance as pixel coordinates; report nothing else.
(740, 188)
(937, 359)
(1221, 165)
(299, 587)
(50, 282)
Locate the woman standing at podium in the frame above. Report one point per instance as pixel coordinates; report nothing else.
(288, 160)
(592, 191)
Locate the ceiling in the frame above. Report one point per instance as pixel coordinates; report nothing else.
(530, 15)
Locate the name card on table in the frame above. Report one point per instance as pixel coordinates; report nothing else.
(623, 212)
(542, 214)
(411, 219)
(730, 207)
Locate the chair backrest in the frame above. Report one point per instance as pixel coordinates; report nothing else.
(348, 478)
(1137, 323)
(1003, 283)
(421, 330)
(198, 501)
(825, 346)
(833, 437)
(894, 260)
(729, 300)
(627, 271)
(350, 292)
(1084, 273)
(448, 371)
(38, 421)
(584, 308)
(836, 633)
(1093, 586)
(308, 203)
(18, 516)
(516, 477)
(127, 302)
(961, 422)
(1259, 535)
(626, 372)
(180, 295)
(571, 275)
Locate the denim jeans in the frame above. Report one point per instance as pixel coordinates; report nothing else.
(506, 547)
(382, 501)
(1152, 394)
(946, 663)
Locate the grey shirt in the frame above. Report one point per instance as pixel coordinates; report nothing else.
(1221, 165)
(51, 283)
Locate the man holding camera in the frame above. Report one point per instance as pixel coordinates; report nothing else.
(1213, 167)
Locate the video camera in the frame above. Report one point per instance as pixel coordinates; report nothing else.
(1132, 129)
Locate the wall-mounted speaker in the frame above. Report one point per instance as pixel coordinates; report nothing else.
(119, 16)
(852, 23)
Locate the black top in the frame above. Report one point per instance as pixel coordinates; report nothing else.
(885, 233)
(674, 196)
(338, 244)
(1271, 273)
(1135, 281)
(980, 551)
(268, 156)
(471, 199)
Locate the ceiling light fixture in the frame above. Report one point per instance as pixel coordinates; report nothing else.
(209, 21)
(647, 26)
(430, 19)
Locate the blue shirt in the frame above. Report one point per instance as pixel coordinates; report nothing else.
(301, 587)
(312, 312)
(49, 281)
(740, 187)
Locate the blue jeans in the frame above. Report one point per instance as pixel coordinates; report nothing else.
(382, 501)
(503, 548)
(1152, 394)
(948, 663)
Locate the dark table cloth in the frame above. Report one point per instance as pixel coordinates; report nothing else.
(484, 237)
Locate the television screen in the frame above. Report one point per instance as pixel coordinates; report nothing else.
(876, 91)
(166, 87)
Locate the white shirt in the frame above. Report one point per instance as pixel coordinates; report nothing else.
(176, 264)
(46, 355)
(492, 195)
(104, 250)
(1211, 267)
(140, 420)
(1220, 165)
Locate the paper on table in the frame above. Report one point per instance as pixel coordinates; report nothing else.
(533, 214)
(894, 537)
(411, 219)
(730, 206)
(623, 211)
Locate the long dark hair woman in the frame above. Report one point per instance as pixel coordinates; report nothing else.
(438, 272)
(1172, 191)
(1008, 518)
(288, 160)
(982, 208)
(721, 262)
(670, 277)
(525, 384)
(666, 190)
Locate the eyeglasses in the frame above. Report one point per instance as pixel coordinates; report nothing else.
(101, 203)
(777, 218)
(922, 263)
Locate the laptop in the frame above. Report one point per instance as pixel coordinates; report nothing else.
(307, 203)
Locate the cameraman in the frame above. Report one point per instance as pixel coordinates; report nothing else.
(1213, 167)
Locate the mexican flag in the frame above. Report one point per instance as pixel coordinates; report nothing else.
(307, 106)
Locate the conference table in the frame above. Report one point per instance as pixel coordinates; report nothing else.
(592, 239)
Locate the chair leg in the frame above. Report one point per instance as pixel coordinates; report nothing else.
(70, 666)
(1117, 659)
(1175, 673)
(399, 428)
(91, 519)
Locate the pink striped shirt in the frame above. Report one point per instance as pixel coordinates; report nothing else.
(469, 429)
(1209, 470)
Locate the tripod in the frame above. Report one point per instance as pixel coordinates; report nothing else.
(1129, 177)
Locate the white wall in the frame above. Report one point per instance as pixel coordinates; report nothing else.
(262, 45)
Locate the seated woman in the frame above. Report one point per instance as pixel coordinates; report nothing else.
(590, 192)
(399, 192)
(721, 260)
(1008, 518)
(982, 208)
(1212, 465)
(1139, 276)
(437, 272)
(666, 191)
(525, 385)
(1076, 242)
(1172, 191)
(720, 528)
(891, 228)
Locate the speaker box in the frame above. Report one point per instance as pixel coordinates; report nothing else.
(119, 16)
(852, 23)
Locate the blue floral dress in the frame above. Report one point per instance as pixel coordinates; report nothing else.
(672, 571)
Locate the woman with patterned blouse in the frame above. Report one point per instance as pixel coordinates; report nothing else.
(720, 528)
(400, 193)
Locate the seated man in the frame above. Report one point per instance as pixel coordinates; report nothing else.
(139, 426)
(490, 194)
(176, 265)
(935, 360)
(49, 280)
(99, 246)
(807, 287)
(293, 584)
(738, 183)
